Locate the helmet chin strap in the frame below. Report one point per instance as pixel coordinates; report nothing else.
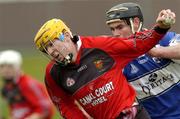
(132, 29)
(132, 26)
(140, 26)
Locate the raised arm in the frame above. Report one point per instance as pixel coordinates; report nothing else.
(144, 41)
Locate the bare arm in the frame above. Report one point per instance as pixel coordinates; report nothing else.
(170, 52)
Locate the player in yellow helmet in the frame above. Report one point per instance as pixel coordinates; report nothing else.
(50, 31)
(89, 70)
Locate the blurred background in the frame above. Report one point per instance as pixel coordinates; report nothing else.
(20, 20)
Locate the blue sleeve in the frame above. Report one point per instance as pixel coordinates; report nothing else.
(166, 40)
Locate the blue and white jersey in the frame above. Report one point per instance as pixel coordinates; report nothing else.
(157, 82)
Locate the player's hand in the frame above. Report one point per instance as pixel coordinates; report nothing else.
(166, 19)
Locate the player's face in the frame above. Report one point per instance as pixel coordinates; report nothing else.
(62, 51)
(120, 29)
(8, 71)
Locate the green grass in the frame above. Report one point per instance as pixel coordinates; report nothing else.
(33, 64)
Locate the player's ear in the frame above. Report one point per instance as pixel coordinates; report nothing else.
(136, 20)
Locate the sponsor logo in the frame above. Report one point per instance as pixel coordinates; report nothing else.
(154, 82)
(157, 82)
(98, 95)
(99, 64)
(157, 60)
(134, 69)
(142, 59)
(144, 36)
(175, 40)
(82, 68)
(152, 77)
(70, 82)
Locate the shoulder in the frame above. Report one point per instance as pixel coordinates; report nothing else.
(51, 71)
(100, 41)
(101, 38)
(50, 66)
(165, 41)
(26, 81)
(169, 35)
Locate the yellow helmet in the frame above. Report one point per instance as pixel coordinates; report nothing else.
(51, 30)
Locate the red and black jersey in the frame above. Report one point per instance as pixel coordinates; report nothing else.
(96, 80)
(27, 96)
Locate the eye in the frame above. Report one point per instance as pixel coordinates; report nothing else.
(119, 27)
(49, 44)
(112, 29)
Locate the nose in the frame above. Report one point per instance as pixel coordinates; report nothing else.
(52, 51)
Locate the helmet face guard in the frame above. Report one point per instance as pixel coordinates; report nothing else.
(53, 30)
(66, 58)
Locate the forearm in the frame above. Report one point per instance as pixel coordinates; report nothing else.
(164, 21)
(170, 52)
(144, 41)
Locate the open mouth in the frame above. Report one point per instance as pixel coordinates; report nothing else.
(61, 59)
